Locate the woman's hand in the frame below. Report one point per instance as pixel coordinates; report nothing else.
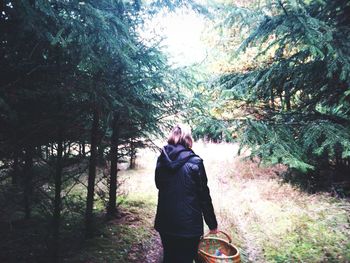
(213, 231)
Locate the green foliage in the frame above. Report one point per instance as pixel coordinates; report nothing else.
(298, 89)
(205, 112)
(206, 119)
(274, 144)
(116, 241)
(64, 63)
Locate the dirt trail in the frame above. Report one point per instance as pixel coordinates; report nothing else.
(228, 194)
(219, 160)
(154, 250)
(250, 202)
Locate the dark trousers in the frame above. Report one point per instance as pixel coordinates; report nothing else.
(179, 249)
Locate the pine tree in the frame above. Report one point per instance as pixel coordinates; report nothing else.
(69, 67)
(296, 92)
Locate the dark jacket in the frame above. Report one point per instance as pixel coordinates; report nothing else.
(183, 193)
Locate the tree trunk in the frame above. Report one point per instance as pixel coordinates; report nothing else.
(287, 99)
(83, 149)
(92, 174)
(132, 154)
(68, 148)
(28, 181)
(100, 152)
(272, 99)
(281, 99)
(58, 200)
(112, 202)
(15, 166)
(47, 152)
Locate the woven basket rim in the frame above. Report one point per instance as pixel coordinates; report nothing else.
(220, 257)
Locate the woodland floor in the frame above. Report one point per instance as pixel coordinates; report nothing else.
(269, 220)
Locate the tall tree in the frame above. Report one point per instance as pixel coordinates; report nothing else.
(67, 67)
(296, 98)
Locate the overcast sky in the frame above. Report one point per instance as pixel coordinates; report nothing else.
(182, 31)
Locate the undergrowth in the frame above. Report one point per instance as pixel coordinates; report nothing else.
(271, 220)
(268, 219)
(120, 240)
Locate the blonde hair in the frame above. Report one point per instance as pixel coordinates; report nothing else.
(181, 134)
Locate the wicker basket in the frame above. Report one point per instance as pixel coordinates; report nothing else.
(208, 245)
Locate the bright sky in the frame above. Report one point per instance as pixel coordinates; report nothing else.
(182, 31)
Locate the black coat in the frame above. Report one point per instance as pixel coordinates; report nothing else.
(183, 196)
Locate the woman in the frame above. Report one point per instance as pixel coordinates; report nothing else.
(183, 198)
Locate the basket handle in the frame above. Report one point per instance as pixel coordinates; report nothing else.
(222, 232)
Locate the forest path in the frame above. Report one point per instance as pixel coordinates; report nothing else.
(153, 252)
(229, 192)
(267, 219)
(219, 161)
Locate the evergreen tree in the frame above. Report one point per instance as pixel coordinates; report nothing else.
(77, 73)
(296, 98)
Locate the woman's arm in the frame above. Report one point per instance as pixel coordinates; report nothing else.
(205, 199)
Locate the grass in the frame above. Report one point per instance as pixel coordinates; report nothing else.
(269, 220)
(120, 240)
(123, 239)
(317, 233)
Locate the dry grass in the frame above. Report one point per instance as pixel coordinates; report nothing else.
(269, 221)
